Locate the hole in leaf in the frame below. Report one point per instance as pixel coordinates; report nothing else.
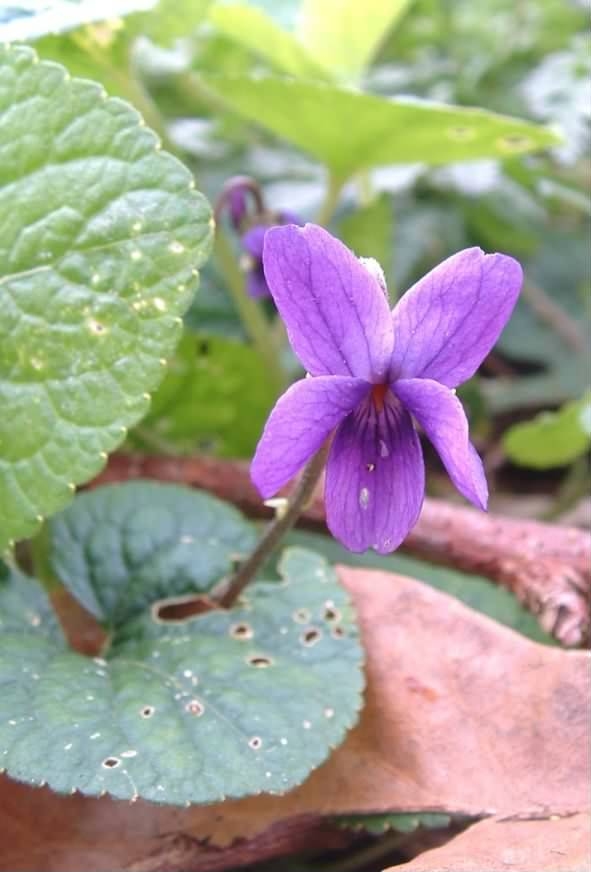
(461, 134)
(260, 661)
(310, 637)
(194, 707)
(111, 763)
(337, 632)
(514, 142)
(330, 612)
(255, 743)
(301, 616)
(241, 631)
(176, 610)
(147, 711)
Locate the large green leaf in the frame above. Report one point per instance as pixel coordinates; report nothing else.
(475, 591)
(101, 235)
(552, 438)
(343, 35)
(119, 548)
(256, 31)
(216, 397)
(226, 703)
(30, 19)
(349, 130)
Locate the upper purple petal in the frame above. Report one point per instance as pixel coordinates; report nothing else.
(375, 478)
(447, 323)
(302, 419)
(440, 414)
(335, 312)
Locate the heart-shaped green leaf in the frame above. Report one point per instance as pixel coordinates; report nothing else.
(181, 709)
(117, 549)
(101, 235)
(378, 131)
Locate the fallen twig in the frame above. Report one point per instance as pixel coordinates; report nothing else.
(547, 567)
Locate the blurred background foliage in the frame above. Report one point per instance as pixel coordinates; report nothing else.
(264, 88)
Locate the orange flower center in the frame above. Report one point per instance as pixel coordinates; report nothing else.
(378, 395)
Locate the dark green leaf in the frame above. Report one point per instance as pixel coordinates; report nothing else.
(119, 548)
(190, 710)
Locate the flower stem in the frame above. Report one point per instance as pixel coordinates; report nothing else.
(256, 325)
(275, 531)
(331, 198)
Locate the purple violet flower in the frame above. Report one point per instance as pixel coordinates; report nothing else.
(252, 262)
(371, 372)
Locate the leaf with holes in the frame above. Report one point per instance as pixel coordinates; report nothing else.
(385, 131)
(216, 397)
(30, 19)
(101, 235)
(119, 548)
(181, 709)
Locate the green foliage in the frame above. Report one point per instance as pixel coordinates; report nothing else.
(551, 438)
(26, 20)
(377, 824)
(384, 132)
(251, 28)
(215, 397)
(101, 238)
(473, 590)
(343, 35)
(186, 710)
(368, 231)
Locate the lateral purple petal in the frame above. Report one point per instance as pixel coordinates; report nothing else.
(335, 312)
(302, 419)
(440, 414)
(375, 479)
(447, 323)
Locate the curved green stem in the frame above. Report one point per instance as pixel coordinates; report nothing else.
(256, 325)
(331, 198)
(276, 530)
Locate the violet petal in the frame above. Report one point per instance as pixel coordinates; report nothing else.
(252, 241)
(335, 312)
(302, 419)
(442, 417)
(447, 323)
(256, 286)
(375, 478)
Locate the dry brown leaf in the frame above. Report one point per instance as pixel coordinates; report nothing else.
(461, 715)
(562, 845)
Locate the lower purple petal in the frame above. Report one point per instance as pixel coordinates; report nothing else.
(442, 417)
(301, 421)
(375, 478)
